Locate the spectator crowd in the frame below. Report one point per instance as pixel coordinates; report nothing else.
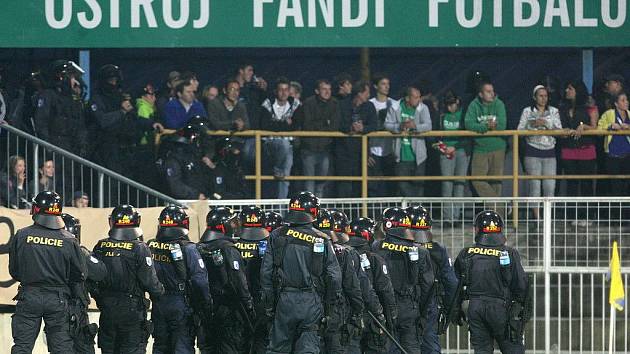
(116, 128)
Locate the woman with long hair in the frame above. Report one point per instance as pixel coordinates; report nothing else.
(578, 153)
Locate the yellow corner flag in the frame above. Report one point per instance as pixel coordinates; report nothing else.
(617, 296)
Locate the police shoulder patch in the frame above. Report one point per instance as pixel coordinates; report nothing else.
(219, 180)
(201, 264)
(384, 269)
(40, 102)
(450, 262)
(93, 107)
(93, 259)
(169, 172)
(235, 265)
(149, 261)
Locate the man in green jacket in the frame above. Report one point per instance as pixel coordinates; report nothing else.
(487, 112)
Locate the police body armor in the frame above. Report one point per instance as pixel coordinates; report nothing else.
(215, 258)
(288, 235)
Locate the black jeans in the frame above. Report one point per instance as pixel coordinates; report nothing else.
(579, 187)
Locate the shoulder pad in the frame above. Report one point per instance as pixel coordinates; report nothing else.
(321, 234)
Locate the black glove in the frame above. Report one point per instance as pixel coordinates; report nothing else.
(357, 322)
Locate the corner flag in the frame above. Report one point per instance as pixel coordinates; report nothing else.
(617, 296)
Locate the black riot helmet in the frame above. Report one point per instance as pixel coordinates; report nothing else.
(303, 208)
(252, 220)
(124, 223)
(362, 227)
(46, 210)
(194, 129)
(108, 72)
(60, 73)
(396, 223)
(174, 223)
(73, 225)
(489, 229)
(221, 222)
(324, 222)
(421, 223)
(341, 227)
(227, 149)
(273, 220)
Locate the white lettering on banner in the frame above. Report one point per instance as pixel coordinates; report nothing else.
(147, 9)
(534, 16)
(258, 12)
(498, 13)
(328, 12)
(66, 14)
(114, 13)
(204, 15)
(292, 10)
(346, 14)
(184, 13)
(460, 11)
(580, 20)
(561, 11)
(434, 16)
(621, 13)
(97, 15)
(295, 11)
(469, 14)
(93, 17)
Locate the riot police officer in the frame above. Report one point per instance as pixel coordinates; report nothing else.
(252, 242)
(123, 325)
(233, 306)
(181, 270)
(46, 260)
(298, 269)
(273, 220)
(445, 279)
(343, 318)
(493, 281)
(183, 166)
(60, 113)
(361, 237)
(116, 127)
(411, 274)
(228, 179)
(81, 330)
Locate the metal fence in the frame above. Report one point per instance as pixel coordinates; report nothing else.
(43, 165)
(565, 250)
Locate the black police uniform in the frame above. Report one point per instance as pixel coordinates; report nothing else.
(181, 270)
(298, 268)
(445, 280)
(123, 325)
(411, 274)
(46, 260)
(493, 278)
(60, 120)
(343, 316)
(60, 114)
(374, 340)
(185, 174)
(227, 178)
(252, 243)
(233, 307)
(81, 330)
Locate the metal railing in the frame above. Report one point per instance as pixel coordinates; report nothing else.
(565, 251)
(72, 174)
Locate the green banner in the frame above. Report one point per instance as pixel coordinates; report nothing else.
(314, 23)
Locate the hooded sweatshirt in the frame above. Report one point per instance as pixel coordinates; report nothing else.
(477, 115)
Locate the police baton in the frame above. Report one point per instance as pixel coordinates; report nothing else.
(387, 332)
